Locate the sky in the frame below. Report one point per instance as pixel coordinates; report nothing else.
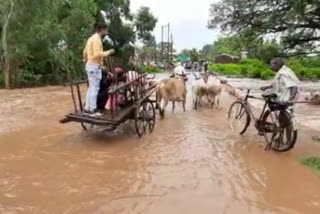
(188, 20)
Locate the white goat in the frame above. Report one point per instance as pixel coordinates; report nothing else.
(214, 89)
(199, 90)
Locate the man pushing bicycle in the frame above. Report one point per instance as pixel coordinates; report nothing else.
(285, 82)
(276, 121)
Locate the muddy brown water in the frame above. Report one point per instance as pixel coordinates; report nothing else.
(192, 163)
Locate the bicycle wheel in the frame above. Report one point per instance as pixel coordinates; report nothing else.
(238, 117)
(279, 130)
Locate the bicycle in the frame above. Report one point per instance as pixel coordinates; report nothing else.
(276, 122)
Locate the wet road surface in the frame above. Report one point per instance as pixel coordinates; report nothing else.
(192, 163)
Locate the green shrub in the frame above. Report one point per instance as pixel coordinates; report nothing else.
(151, 70)
(313, 162)
(252, 68)
(305, 68)
(265, 75)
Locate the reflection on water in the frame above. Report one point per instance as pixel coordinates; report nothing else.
(192, 163)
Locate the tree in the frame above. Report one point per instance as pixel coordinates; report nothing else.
(145, 22)
(194, 55)
(228, 45)
(266, 51)
(9, 6)
(42, 41)
(124, 28)
(206, 50)
(36, 33)
(296, 22)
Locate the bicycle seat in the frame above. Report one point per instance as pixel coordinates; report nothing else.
(269, 96)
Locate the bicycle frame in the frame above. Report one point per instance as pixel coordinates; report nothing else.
(265, 107)
(249, 108)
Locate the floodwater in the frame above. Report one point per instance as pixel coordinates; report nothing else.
(191, 164)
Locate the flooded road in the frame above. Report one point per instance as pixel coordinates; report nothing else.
(192, 163)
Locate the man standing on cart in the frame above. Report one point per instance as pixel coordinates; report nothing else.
(93, 56)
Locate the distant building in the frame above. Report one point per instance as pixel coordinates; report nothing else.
(227, 59)
(244, 54)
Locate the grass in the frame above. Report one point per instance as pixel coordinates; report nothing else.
(305, 68)
(313, 162)
(151, 70)
(252, 68)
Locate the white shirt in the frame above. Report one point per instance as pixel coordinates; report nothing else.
(283, 81)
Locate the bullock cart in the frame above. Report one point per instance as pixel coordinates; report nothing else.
(138, 107)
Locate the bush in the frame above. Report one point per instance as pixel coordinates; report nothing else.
(252, 68)
(266, 75)
(151, 70)
(313, 162)
(305, 68)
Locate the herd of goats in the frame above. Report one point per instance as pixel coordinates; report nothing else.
(206, 86)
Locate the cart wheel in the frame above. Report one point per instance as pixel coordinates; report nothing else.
(145, 118)
(87, 126)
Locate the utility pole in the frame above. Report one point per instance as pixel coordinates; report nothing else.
(168, 48)
(166, 54)
(161, 53)
(171, 48)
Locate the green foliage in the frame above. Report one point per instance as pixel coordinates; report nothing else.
(47, 37)
(313, 162)
(234, 45)
(47, 40)
(228, 45)
(193, 54)
(294, 21)
(1, 80)
(206, 50)
(151, 70)
(145, 22)
(252, 68)
(305, 68)
(266, 51)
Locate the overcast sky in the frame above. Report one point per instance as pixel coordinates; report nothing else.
(188, 20)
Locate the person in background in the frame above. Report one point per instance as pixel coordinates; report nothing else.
(117, 99)
(93, 56)
(206, 65)
(105, 83)
(179, 69)
(285, 82)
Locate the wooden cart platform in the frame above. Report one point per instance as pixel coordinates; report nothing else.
(141, 109)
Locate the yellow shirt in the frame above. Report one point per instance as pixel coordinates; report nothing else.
(93, 52)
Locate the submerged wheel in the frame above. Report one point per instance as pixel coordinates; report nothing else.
(238, 117)
(279, 130)
(145, 118)
(87, 126)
